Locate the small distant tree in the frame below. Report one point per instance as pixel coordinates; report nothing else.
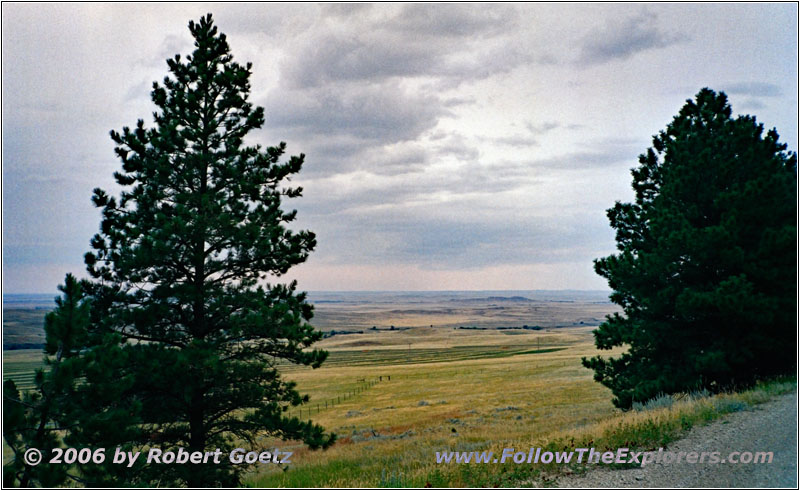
(37, 419)
(707, 261)
(180, 266)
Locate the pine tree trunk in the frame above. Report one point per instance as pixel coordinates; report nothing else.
(197, 438)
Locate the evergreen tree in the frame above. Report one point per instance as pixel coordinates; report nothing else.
(37, 419)
(707, 261)
(180, 265)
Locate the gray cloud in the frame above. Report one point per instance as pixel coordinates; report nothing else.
(752, 104)
(542, 128)
(328, 155)
(457, 146)
(412, 117)
(406, 190)
(351, 89)
(335, 57)
(453, 20)
(606, 155)
(458, 101)
(535, 131)
(381, 113)
(405, 184)
(755, 89)
(345, 9)
(353, 128)
(396, 159)
(375, 55)
(621, 40)
(442, 243)
(517, 141)
(275, 21)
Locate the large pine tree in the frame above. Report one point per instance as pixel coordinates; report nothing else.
(181, 262)
(707, 261)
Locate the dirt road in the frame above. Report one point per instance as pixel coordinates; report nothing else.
(769, 427)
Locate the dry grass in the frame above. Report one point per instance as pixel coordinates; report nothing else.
(388, 437)
(446, 389)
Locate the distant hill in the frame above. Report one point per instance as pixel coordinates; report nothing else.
(343, 312)
(493, 299)
(29, 301)
(591, 296)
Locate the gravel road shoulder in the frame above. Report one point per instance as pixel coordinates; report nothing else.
(768, 427)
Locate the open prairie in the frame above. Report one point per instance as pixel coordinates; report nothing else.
(353, 311)
(365, 325)
(437, 390)
(449, 371)
(23, 321)
(412, 373)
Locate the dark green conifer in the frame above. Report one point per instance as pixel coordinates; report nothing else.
(707, 261)
(181, 266)
(38, 419)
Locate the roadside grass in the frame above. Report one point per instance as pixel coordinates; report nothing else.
(654, 428)
(651, 429)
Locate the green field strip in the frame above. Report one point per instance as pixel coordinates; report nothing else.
(24, 372)
(414, 356)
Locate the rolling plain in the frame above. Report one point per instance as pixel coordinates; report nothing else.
(412, 374)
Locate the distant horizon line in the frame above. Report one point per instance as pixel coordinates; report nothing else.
(405, 291)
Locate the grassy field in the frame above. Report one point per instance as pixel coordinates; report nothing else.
(409, 327)
(397, 396)
(438, 389)
(478, 392)
(21, 365)
(361, 311)
(23, 327)
(394, 406)
(508, 396)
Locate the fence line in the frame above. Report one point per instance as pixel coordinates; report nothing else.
(363, 384)
(315, 407)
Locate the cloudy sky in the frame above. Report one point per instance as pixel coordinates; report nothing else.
(448, 147)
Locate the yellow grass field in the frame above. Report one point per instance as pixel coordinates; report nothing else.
(397, 396)
(390, 431)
